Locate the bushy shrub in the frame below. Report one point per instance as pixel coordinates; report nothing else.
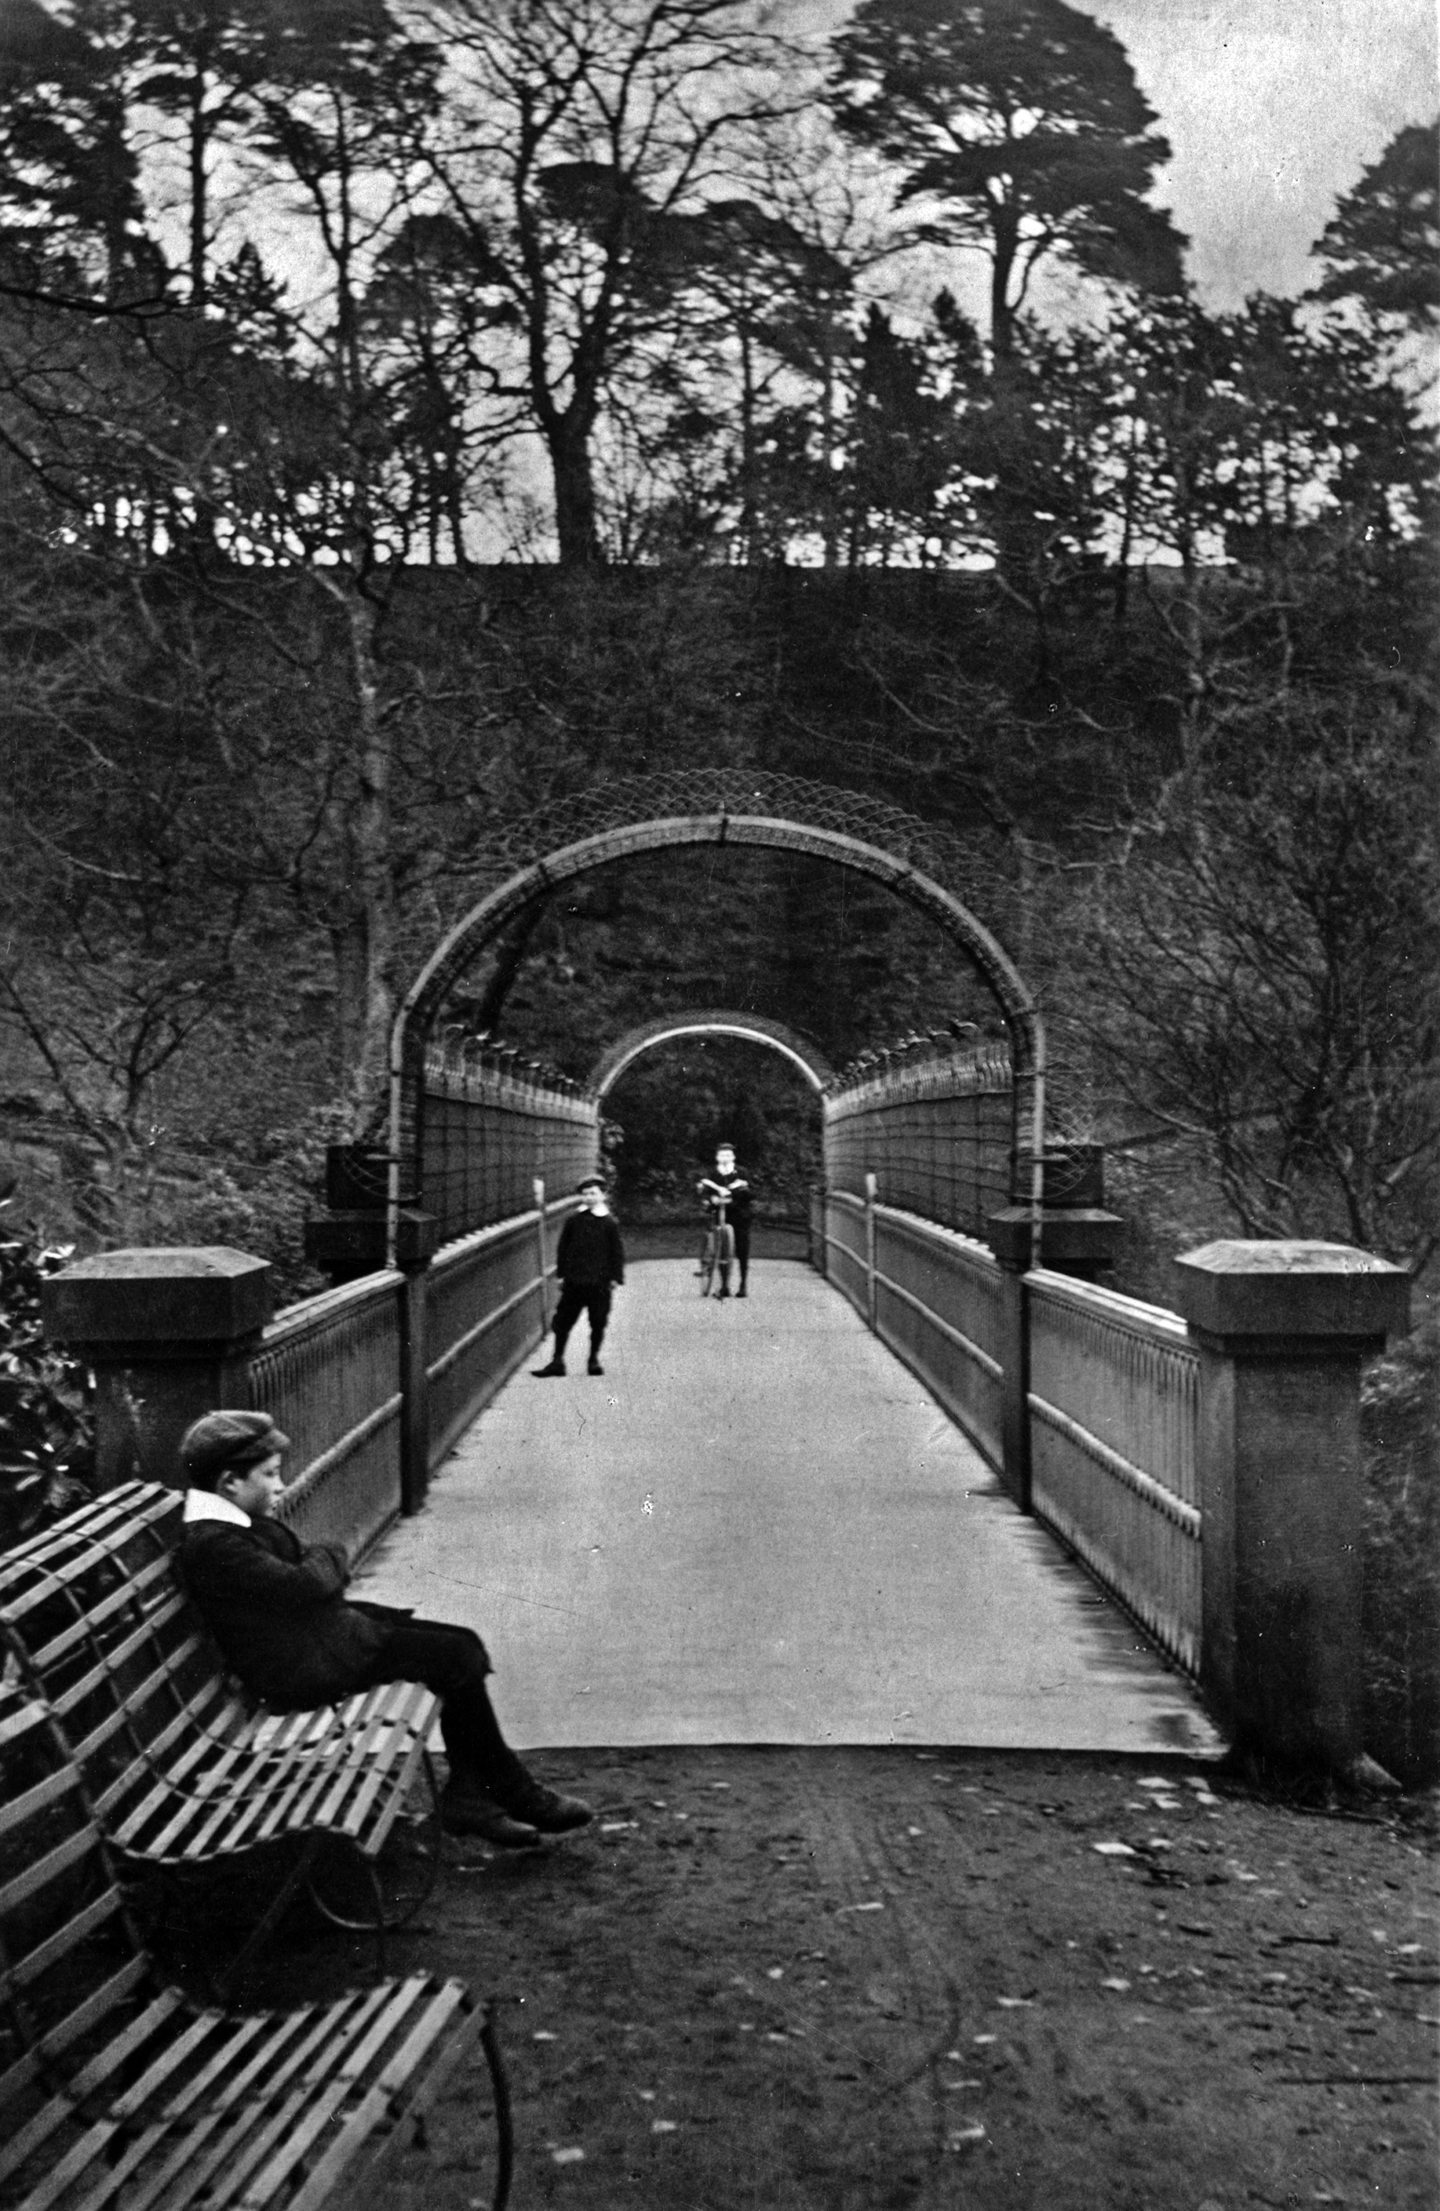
(46, 1424)
(1401, 1413)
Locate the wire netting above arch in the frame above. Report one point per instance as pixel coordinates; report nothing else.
(928, 867)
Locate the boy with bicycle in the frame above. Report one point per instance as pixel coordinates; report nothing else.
(727, 1189)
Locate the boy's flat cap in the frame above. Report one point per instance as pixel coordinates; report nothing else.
(218, 1441)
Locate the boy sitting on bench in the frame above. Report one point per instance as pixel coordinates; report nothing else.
(277, 1610)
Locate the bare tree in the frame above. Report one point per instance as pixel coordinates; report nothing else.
(576, 133)
(1263, 953)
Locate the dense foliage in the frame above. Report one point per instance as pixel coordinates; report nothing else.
(46, 1428)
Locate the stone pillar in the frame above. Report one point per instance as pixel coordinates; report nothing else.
(168, 1335)
(1283, 1329)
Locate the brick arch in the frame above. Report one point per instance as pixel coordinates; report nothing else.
(708, 1021)
(928, 868)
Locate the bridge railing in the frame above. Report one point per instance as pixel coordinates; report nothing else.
(1114, 1412)
(328, 1372)
(485, 1297)
(1110, 1409)
(1204, 1466)
(931, 1294)
(847, 1248)
(937, 1304)
(373, 1382)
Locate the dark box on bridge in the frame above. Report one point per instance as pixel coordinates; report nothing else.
(357, 1179)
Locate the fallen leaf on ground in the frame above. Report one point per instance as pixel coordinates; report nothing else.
(1114, 1850)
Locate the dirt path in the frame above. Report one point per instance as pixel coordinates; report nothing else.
(861, 1980)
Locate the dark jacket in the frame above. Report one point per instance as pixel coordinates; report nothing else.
(590, 1251)
(274, 1606)
(737, 1191)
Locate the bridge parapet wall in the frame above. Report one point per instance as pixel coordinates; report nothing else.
(1204, 1465)
(372, 1381)
(1113, 1405)
(329, 1372)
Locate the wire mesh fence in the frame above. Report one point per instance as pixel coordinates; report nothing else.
(934, 1124)
(493, 1124)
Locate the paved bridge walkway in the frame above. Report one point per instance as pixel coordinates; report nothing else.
(760, 1528)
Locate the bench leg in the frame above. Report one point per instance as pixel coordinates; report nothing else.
(380, 1889)
(273, 1913)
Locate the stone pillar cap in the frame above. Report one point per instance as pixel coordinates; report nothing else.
(1292, 1286)
(174, 1294)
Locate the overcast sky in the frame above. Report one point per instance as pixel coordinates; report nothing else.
(1272, 108)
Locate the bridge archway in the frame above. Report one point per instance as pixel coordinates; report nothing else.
(928, 868)
(752, 1028)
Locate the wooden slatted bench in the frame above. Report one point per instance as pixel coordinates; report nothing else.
(184, 1768)
(116, 2089)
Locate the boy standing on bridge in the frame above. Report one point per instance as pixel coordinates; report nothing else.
(277, 1609)
(591, 1262)
(728, 1184)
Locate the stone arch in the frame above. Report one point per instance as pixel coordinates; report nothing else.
(928, 868)
(708, 1021)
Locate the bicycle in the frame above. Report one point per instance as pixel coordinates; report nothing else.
(718, 1247)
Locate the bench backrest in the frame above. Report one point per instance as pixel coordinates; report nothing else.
(97, 1625)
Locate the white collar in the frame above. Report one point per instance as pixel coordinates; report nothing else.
(204, 1504)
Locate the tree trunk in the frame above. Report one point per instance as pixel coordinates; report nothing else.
(364, 939)
(196, 137)
(575, 519)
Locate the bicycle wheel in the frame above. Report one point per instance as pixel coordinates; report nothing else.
(707, 1261)
(727, 1254)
